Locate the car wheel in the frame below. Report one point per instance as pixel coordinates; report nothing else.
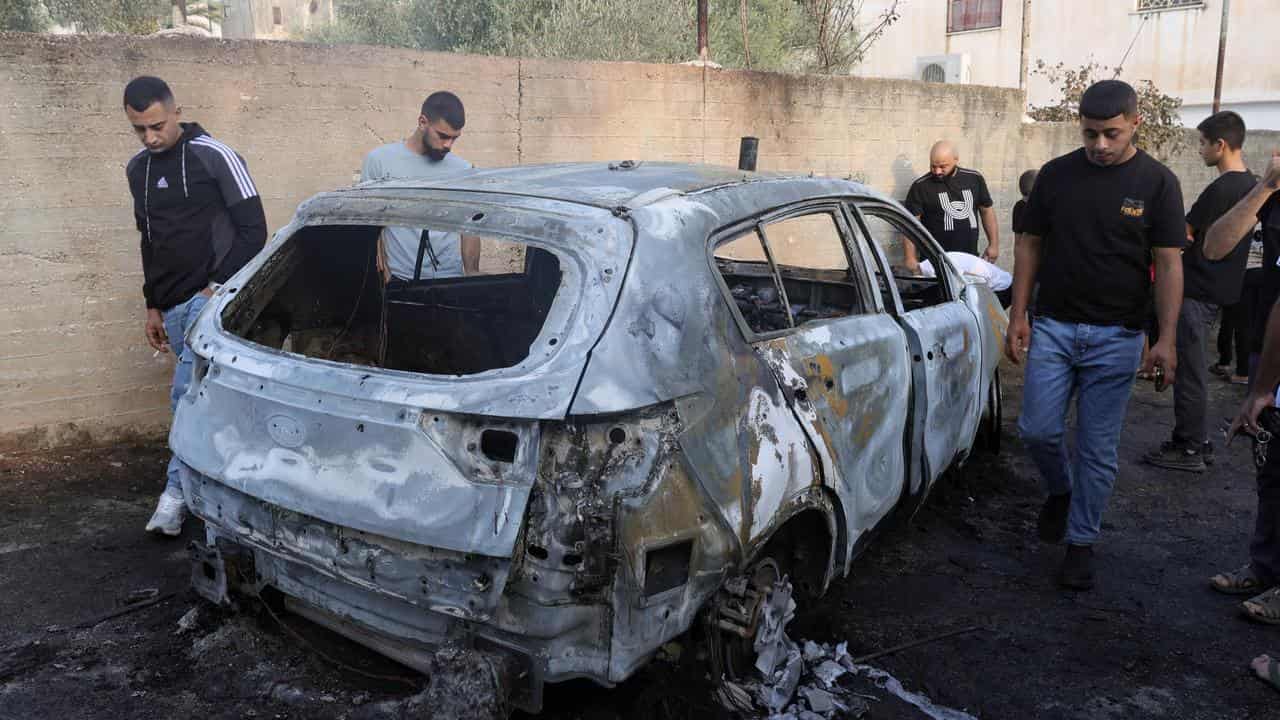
(748, 613)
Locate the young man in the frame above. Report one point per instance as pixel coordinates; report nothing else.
(201, 220)
(948, 200)
(1262, 574)
(1093, 220)
(1207, 285)
(425, 154)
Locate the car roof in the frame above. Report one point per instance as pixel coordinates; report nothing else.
(607, 185)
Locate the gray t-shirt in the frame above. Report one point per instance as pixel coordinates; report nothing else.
(395, 160)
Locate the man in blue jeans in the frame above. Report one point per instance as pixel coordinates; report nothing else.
(201, 220)
(1094, 220)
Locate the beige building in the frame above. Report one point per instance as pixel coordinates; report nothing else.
(1174, 43)
(274, 19)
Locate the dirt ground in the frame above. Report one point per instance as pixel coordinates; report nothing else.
(1151, 641)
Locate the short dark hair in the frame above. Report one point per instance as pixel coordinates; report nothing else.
(1108, 98)
(445, 106)
(142, 92)
(1026, 180)
(1226, 126)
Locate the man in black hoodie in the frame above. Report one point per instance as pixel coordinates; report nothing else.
(201, 220)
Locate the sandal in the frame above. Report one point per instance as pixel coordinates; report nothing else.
(1237, 582)
(1220, 370)
(1264, 607)
(1271, 675)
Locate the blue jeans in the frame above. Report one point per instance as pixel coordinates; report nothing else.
(1097, 364)
(177, 321)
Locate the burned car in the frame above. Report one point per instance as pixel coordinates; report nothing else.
(672, 387)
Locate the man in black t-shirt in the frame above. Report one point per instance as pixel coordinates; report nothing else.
(1263, 571)
(948, 200)
(1207, 285)
(1095, 219)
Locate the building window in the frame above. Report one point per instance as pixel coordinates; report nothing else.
(965, 15)
(1158, 5)
(276, 16)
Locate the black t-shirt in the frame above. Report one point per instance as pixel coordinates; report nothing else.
(948, 207)
(1019, 216)
(1204, 279)
(1269, 289)
(1097, 227)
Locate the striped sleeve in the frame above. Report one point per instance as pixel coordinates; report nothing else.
(228, 168)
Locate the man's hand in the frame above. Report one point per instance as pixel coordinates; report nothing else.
(156, 336)
(1271, 180)
(991, 254)
(1164, 355)
(1247, 419)
(1017, 340)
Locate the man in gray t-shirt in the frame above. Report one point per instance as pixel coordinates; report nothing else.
(424, 155)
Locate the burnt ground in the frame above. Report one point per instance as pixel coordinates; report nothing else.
(1151, 641)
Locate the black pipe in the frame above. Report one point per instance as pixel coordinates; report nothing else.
(748, 151)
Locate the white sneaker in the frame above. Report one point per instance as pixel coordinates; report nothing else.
(169, 514)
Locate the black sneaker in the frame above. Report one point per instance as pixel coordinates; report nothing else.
(1176, 456)
(1206, 452)
(1052, 524)
(1077, 568)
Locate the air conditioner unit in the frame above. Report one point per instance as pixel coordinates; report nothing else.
(951, 68)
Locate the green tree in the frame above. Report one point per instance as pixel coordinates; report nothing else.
(1161, 132)
(114, 16)
(24, 16)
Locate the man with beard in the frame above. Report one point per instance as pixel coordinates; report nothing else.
(949, 200)
(425, 154)
(1095, 219)
(1208, 285)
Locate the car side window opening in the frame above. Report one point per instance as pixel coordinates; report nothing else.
(789, 272)
(890, 233)
(322, 296)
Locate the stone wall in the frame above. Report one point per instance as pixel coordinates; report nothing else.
(74, 365)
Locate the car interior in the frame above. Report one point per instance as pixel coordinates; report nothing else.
(321, 295)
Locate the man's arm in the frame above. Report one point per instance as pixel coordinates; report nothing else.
(910, 257)
(470, 255)
(1232, 228)
(1026, 264)
(1168, 261)
(1262, 392)
(240, 197)
(992, 229)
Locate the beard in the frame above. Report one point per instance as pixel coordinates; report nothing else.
(435, 155)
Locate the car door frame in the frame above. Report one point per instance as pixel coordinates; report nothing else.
(842, 475)
(925, 355)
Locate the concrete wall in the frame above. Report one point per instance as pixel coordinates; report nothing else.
(1175, 48)
(74, 366)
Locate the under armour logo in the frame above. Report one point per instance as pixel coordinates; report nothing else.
(953, 210)
(162, 184)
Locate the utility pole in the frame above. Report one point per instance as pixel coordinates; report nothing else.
(702, 30)
(1222, 55)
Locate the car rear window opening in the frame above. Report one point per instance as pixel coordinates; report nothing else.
(325, 294)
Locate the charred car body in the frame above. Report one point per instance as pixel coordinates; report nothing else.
(684, 383)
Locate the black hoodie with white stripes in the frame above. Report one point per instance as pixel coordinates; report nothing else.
(199, 214)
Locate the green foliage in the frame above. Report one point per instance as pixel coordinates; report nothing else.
(1161, 132)
(24, 16)
(808, 35)
(114, 16)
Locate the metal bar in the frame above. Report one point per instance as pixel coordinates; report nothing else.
(1222, 55)
(914, 643)
(702, 30)
(748, 153)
